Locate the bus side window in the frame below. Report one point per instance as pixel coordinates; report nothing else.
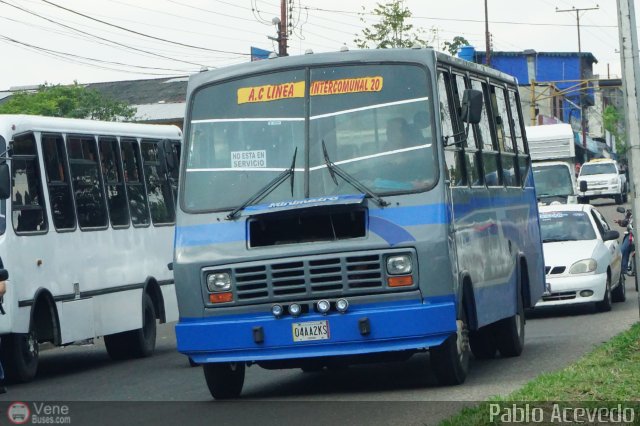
(138, 205)
(471, 148)
(28, 208)
(490, 154)
(60, 194)
(516, 128)
(91, 208)
(453, 153)
(114, 181)
(505, 138)
(158, 187)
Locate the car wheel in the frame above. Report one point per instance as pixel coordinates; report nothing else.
(619, 294)
(618, 199)
(605, 304)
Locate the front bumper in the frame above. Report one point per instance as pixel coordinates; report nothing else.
(394, 326)
(602, 192)
(566, 290)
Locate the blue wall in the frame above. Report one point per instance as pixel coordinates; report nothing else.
(548, 68)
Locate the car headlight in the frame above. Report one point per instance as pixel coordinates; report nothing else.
(583, 266)
(613, 181)
(218, 281)
(399, 265)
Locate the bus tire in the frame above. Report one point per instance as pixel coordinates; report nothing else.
(224, 380)
(138, 343)
(20, 356)
(117, 346)
(483, 343)
(144, 339)
(509, 332)
(450, 360)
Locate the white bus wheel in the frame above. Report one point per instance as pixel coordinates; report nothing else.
(138, 343)
(20, 356)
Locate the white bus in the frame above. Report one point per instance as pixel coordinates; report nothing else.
(86, 232)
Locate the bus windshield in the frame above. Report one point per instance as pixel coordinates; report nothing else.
(553, 180)
(375, 122)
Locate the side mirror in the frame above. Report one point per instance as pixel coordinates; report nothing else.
(583, 186)
(621, 210)
(5, 182)
(471, 106)
(170, 266)
(4, 275)
(610, 235)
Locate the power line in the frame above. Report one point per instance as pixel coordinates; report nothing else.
(12, 40)
(139, 33)
(100, 38)
(480, 21)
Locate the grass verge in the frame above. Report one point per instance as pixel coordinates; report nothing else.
(603, 378)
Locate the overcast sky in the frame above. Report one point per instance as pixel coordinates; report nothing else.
(41, 42)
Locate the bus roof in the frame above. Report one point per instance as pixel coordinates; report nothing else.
(362, 56)
(15, 124)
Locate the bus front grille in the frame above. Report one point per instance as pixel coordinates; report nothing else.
(310, 277)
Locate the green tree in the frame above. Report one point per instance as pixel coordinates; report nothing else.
(74, 101)
(454, 45)
(611, 118)
(392, 29)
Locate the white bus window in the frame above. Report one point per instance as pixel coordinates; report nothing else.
(62, 212)
(28, 202)
(138, 205)
(114, 182)
(158, 187)
(91, 208)
(453, 155)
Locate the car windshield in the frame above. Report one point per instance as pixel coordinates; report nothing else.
(375, 121)
(566, 226)
(598, 169)
(552, 180)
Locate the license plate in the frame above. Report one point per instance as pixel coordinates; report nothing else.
(310, 330)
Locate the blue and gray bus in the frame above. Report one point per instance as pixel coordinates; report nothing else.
(354, 206)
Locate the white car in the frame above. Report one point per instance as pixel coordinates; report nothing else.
(582, 257)
(604, 180)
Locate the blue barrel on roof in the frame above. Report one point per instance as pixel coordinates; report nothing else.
(467, 53)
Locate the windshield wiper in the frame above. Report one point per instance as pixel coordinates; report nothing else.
(335, 170)
(268, 188)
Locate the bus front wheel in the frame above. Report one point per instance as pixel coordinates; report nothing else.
(224, 380)
(20, 356)
(450, 360)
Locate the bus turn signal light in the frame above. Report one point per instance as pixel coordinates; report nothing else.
(221, 297)
(400, 281)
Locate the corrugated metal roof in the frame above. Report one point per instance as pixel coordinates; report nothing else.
(586, 55)
(154, 112)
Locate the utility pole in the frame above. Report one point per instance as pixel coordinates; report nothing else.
(487, 36)
(583, 121)
(630, 86)
(283, 29)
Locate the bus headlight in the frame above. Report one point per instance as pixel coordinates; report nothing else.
(583, 266)
(399, 265)
(219, 281)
